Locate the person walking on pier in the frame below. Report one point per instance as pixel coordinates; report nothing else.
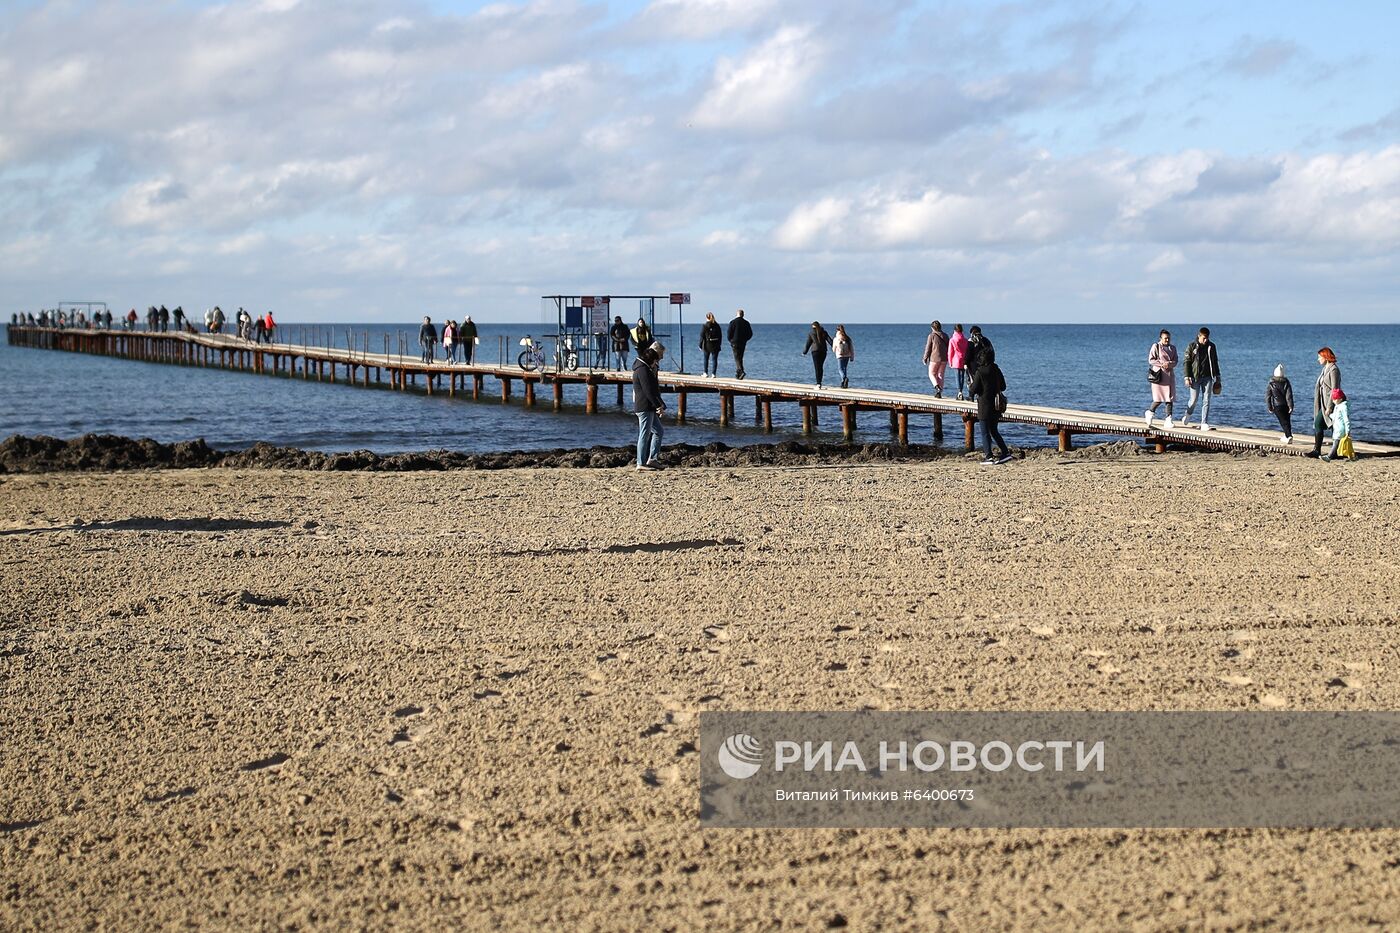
(845, 350)
(466, 339)
(449, 341)
(740, 333)
(648, 405)
(641, 335)
(217, 327)
(180, 318)
(427, 339)
(818, 342)
(1279, 397)
(259, 329)
(957, 358)
(621, 341)
(1161, 373)
(131, 319)
(936, 356)
(1329, 380)
(1202, 377)
(269, 327)
(163, 318)
(711, 339)
(988, 386)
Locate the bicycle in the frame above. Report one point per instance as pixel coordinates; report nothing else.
(533, 356)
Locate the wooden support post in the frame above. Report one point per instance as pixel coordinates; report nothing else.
(478, 383)
(620, 399)
(529, 393)
(808, 410)
(768, 415)
(1066, 440)
(938, 427)
(429, 379)
(848, 422)
(558, 395)
(724, 399)
(505, 390)
(903, 423)
(451, 385)
(969, 432)
(591, 405)
(1161, 446)
(680, 407)
(894, 421)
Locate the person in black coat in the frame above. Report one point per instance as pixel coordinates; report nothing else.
(621, 341)
(818, 342)
(711, 339)
(988, 384)
(427, 339)
(740, 333)
(648, 405)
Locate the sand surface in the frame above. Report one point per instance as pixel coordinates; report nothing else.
(268, 699)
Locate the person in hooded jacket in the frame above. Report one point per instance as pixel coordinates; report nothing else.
(1279, 397)
(818, 342)
(711, 339)
(936, 356)
(988, 384)
(648, 405)
(957, 358)
(466, 339)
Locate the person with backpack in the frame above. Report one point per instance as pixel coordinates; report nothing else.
(1279, 397)
(740, 333)
(936, 356)
(818, 342)
(1202, 377)
(988, 386)
(1342, 445)
(621, 341)
(976, 345)
(711, 339)
(845, 350)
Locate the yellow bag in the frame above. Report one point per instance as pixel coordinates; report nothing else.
(1345, 448)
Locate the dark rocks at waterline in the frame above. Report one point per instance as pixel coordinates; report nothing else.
(106, 452)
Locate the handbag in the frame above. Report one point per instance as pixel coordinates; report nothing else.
(1215, 389)
(1156, 376)
(1345, 448)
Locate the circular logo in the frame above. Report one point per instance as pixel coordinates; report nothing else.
(740, 756)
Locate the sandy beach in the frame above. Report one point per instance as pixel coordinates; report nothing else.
(262, 698)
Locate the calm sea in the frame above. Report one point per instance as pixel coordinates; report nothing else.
(1097, 367)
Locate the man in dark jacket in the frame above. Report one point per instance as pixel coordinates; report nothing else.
(1202, 377)
(818, 342)
(621, 341)
(466, 339)
(427, 339)
(740, 333)
(977, 344)
(988, 383)
(648, 405)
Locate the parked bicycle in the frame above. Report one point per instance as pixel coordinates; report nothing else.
(533, 357)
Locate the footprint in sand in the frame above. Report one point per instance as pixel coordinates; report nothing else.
(1272, 701)
(1044, 631)
(717, 632)
(1236, 680)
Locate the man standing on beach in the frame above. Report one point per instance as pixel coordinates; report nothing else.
(936, 356)
(427, 338)
(740, 333)
(466, 339)
(648, 405)
(1202, 377)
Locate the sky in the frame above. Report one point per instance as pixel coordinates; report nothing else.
(376, 160)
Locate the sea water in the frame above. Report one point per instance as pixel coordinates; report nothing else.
(1092, 367)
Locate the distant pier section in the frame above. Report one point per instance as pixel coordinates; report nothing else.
(360, 367)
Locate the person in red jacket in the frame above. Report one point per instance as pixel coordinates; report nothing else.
(269, 325)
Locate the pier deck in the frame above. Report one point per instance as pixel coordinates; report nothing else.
(361, 368)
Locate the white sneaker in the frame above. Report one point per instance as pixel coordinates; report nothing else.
(1147, 417)
(1168, 425)
(1206, 427)
(1185, 423)
(1286, 439)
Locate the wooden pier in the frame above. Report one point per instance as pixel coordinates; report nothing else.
(393, 371)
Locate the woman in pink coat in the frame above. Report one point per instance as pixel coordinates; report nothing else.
(1161, 373)
(957, 356)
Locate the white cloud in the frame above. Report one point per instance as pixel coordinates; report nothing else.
(702, 19)
(763, 88)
